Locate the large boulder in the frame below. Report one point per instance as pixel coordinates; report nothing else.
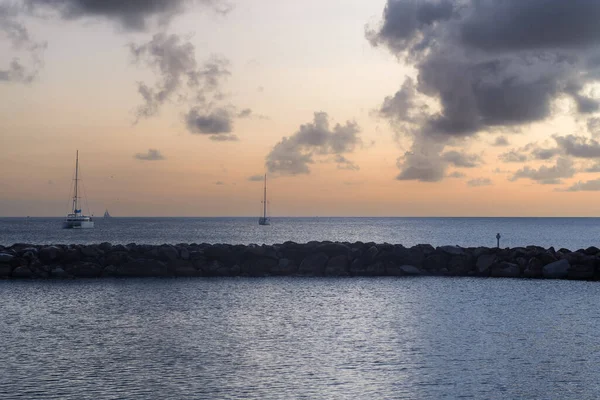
(51, 254)
(451, 250)
(258, 266)
(534, 269)
(484, 263)
(337, 266)
(403, 270)
(58, 272)
(581, 272)
(167, 253)
(284, 267)
(5, 270)
(333, 249)
(6, 258)
(313, 264)
(217, 268)
(91, 251)
(556, 270)
(505, 270)
(436, 262)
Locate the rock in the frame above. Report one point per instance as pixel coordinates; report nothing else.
(167, 253)
(85, 270)
(534, 268)
(6, 258)
(51, 254)
(461, 265)
(451, 250)
(143, 268)
(258, 266)
(484, 263)
(556, 270)
(505, 270)
(22, 272)
(581, 272)
(592, 251)
(183, 268)
(403, 270)
(5, 271)
(313, 264)
(337, 266)
(435, 262)
(59, 273)
(90, 251)
(333, 249)
(284, 267)
(105, 247)
(216, 268)
(184, 253)
(110, 271)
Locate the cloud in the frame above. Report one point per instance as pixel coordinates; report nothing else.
(501, 141)
(218, 123)
(151, 155)
(22, 44)
(343, 163)
(132, 15)
(456, 174)
(219, 183)
(580, 186)
(547, 175)
(463, 160)
(292, 155)
(593, 126)
(480, 182)
(245, 113)
(256, 178)
(593, 168)
(173, 59)
(579, 146)
(486, 65)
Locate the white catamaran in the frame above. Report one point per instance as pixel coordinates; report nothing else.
(76, 219)
(264, 220)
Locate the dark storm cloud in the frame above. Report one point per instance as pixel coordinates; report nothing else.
(173, 59)
(547, 175)
(292, 155)
(151, 155)
(488, 64)
(130, 14)
(218, 123)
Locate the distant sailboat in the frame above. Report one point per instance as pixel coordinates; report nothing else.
(76, 219)
(264, 220)
(106, 214)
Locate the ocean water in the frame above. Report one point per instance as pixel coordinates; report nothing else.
(299, 338)
(571, 233)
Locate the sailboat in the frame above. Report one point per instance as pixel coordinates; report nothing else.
(106, 214)
(264, 220)
(76, 219)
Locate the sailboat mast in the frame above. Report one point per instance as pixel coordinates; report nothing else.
(76, 183)
(265, 199)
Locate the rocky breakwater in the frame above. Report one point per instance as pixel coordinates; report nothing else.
(22, 261)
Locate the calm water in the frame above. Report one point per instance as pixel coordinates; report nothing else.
(572, 233)
(426, 338)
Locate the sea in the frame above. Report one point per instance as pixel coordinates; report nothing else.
(302, 338)
(570, 233)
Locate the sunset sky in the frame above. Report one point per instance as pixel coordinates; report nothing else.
(352, 107)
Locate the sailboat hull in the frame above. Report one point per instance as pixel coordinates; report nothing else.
(78, 224)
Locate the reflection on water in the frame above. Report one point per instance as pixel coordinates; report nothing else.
(299, 338)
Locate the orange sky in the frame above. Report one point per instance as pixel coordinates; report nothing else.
(287, 61)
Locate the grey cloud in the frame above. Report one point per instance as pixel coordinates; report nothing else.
(593, 185)
(593, 126)
(137, 15)
(245, 113)
(292, 155)
(343, 163)
(579, 146)
(256, 178)
(463, 160)
(501, 141)
(480, 182)
(224, 138)
(547, 175)
(151, 155)
(513, 156)
(219, 183)
(218, 123)
(423, 163)
(456, 174)
(540, 153)
(13, 30)
(593, 168)
(489, 64)
(173, 59)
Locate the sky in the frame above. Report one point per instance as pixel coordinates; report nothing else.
(351, 107)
